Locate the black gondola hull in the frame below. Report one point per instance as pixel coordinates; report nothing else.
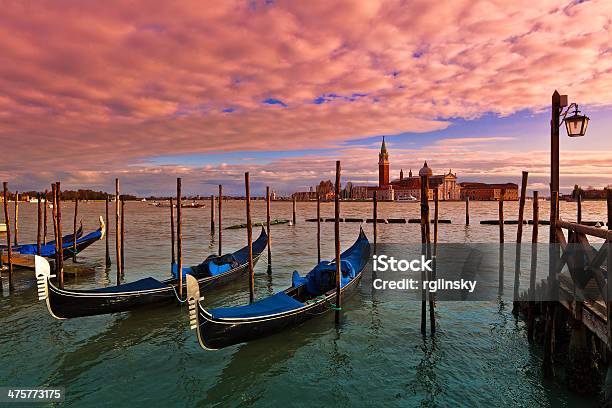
(71, 304)
(215, 334)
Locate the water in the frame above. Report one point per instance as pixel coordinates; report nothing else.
(480, 355)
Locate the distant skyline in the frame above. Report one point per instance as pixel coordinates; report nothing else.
(148, 91)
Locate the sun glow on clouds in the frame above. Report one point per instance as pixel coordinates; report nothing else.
(104, 87)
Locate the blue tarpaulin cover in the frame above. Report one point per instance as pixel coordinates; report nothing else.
(277, 303)
(49, 249)
(141, 284)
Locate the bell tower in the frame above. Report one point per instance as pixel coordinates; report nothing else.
(383, 165)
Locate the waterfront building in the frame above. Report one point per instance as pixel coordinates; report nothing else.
(489, 192)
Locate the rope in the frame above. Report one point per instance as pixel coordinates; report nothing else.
(177, 295)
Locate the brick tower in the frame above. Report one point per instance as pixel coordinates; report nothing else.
(383, 165)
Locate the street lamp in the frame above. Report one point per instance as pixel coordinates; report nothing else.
(576, 124)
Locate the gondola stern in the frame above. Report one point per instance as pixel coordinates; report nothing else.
(193, 299)
(102, 228)
(43, 273)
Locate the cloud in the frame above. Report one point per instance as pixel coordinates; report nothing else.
(98, 88)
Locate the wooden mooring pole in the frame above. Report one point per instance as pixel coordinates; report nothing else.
(501, 241)
(74, 228)
(249, 237)
(375, 218)
(220, 219)
(179, 236)
(122, 236)
(212, 214)
(534, 267)
(467, 210)
(117, 232)
(519, 239)
(172, 231)
(436, 204)
(54, 219)
(432, 274)
(106, 238)
(424, 174)
(608, 378)
(9, 250)
(39, 226)
(579, 208)
(268, 229)
(318, 228)
(46, 203)
(294, 217)
(60, 243)
(338, 305)
(16, 238)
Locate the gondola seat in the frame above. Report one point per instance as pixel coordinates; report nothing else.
(323, 277)
(280, 302)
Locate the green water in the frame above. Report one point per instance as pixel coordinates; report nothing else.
(377, 356)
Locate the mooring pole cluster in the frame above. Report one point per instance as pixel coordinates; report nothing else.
(425, 173)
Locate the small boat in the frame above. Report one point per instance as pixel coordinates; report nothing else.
(26, 255)
(259, 224)
(308, 297)
(213, 272)
(409, 198)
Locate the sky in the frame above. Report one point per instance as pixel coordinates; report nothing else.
(149, 91)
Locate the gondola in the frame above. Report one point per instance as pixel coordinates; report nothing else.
(213, 272)
(308, 296)
(66, 239)
(25, 257)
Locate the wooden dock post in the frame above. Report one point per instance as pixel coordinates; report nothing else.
(553, 255)
(519, 239)
(106, 238)
(467, 210)
(60, 243)
(74, 228)
(220, 219)
(424, 174)
(212, 214)
(179, 236)
(54, 217)
(432, 274)
(44, 238)
(39, 226)
(338, 306)
(122, 236)
(117, 232)
(268, 229)
(16, 238)
(318, 228)
(375, 218)
(534, 267)
(608, 378)
(436, 204)
(172, 231)
(294, 218)
(501, 241)
(9, 250)
(249, 238)
(579, 208)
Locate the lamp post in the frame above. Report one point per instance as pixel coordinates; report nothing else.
(576, 126)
